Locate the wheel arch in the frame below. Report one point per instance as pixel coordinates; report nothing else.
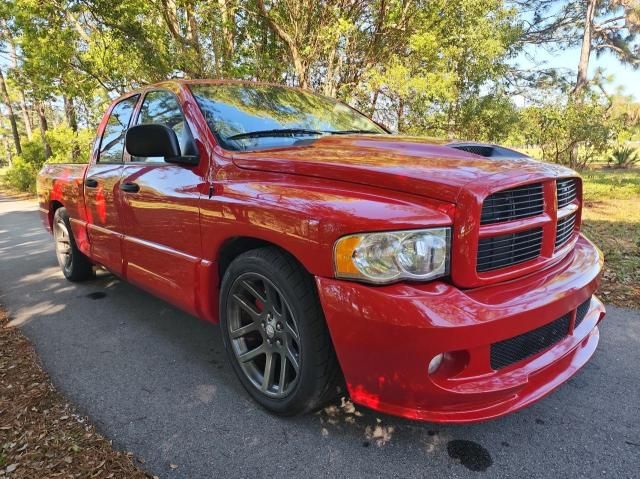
(54, 205)
(233, 247)
(228, 250)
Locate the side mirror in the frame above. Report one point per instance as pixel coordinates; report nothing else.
(156, 140)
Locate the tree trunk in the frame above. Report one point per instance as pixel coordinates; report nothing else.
(583, 69)
(70, 113)
(228, 35)
(25, 115)
(13, 55)
(374, 103)
(7, 152)
(585, 51)
(43, 129)
(12, 117)
(400, 112)
(298, 63)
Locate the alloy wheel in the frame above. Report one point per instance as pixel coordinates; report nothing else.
(264, 335)
(63, 244)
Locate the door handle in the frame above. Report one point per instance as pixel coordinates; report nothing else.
(130, 187)
(91, 183)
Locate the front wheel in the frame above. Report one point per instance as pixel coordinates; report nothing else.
(275, 334)
(74, 264)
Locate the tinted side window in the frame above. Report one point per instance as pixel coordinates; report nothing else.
(161, 107)
(112, 144)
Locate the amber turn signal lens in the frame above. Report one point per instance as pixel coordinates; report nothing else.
(344, 256)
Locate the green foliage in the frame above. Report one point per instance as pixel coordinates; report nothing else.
(68, 146)
(574, 134)
(424, 67)
(491, 118)
(21, 175)
(623, 157)
(24, 168)
(453, 51)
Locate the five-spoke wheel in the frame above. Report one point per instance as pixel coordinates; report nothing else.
(264, 334)
(63, 245)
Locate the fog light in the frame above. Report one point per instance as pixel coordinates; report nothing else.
(435, 363)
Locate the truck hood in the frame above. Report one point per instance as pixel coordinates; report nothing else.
(413, 165)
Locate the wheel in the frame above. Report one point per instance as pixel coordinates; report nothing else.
(275, 334)
(74, 264)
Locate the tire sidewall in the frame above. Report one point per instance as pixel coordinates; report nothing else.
(61, 214)
(80, 267)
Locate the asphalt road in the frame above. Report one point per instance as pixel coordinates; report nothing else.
(156, 382)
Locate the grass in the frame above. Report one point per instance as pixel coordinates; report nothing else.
(611, 219)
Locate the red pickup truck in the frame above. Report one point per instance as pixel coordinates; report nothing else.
(435, 283)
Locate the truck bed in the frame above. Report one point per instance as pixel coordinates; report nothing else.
(63, 183)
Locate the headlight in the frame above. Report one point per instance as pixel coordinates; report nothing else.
(391, 256)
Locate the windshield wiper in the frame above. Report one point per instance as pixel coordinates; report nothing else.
(290, 132)
(348, 132)
(273, 133)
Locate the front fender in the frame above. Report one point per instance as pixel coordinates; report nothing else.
(305, 216)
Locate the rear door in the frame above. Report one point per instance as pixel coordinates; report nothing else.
(102, 181)
(160, 210)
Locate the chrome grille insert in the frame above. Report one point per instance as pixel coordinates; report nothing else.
(566, 191)
(509, 249)
(511, 204)
(564, 229)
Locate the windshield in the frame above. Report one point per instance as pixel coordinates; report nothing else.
(244, 116)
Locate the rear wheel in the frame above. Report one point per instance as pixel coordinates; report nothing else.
(74, 264)
(275, 333)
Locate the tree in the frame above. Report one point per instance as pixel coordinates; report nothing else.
(593, 25)
(561, 130)
(11, 115)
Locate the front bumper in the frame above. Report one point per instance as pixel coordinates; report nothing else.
(386, 336)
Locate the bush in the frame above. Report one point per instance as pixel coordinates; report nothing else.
(24, 168)
(68, 146)
(21, 175)
(574, 134)
(623, 157)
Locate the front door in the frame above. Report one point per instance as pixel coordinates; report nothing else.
(160, 210)
(104, 225)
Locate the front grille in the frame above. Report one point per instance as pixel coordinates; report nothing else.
(566, 191)
(582, 311)
(506, 250)
(528, 344)
(511, 204)
(564, 229)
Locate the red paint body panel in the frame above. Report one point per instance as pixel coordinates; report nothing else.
(405, 326)
(168, 237)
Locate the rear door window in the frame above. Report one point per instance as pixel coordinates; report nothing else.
(112, 143)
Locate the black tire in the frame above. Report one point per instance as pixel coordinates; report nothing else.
(318, 378)
(74, 264)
